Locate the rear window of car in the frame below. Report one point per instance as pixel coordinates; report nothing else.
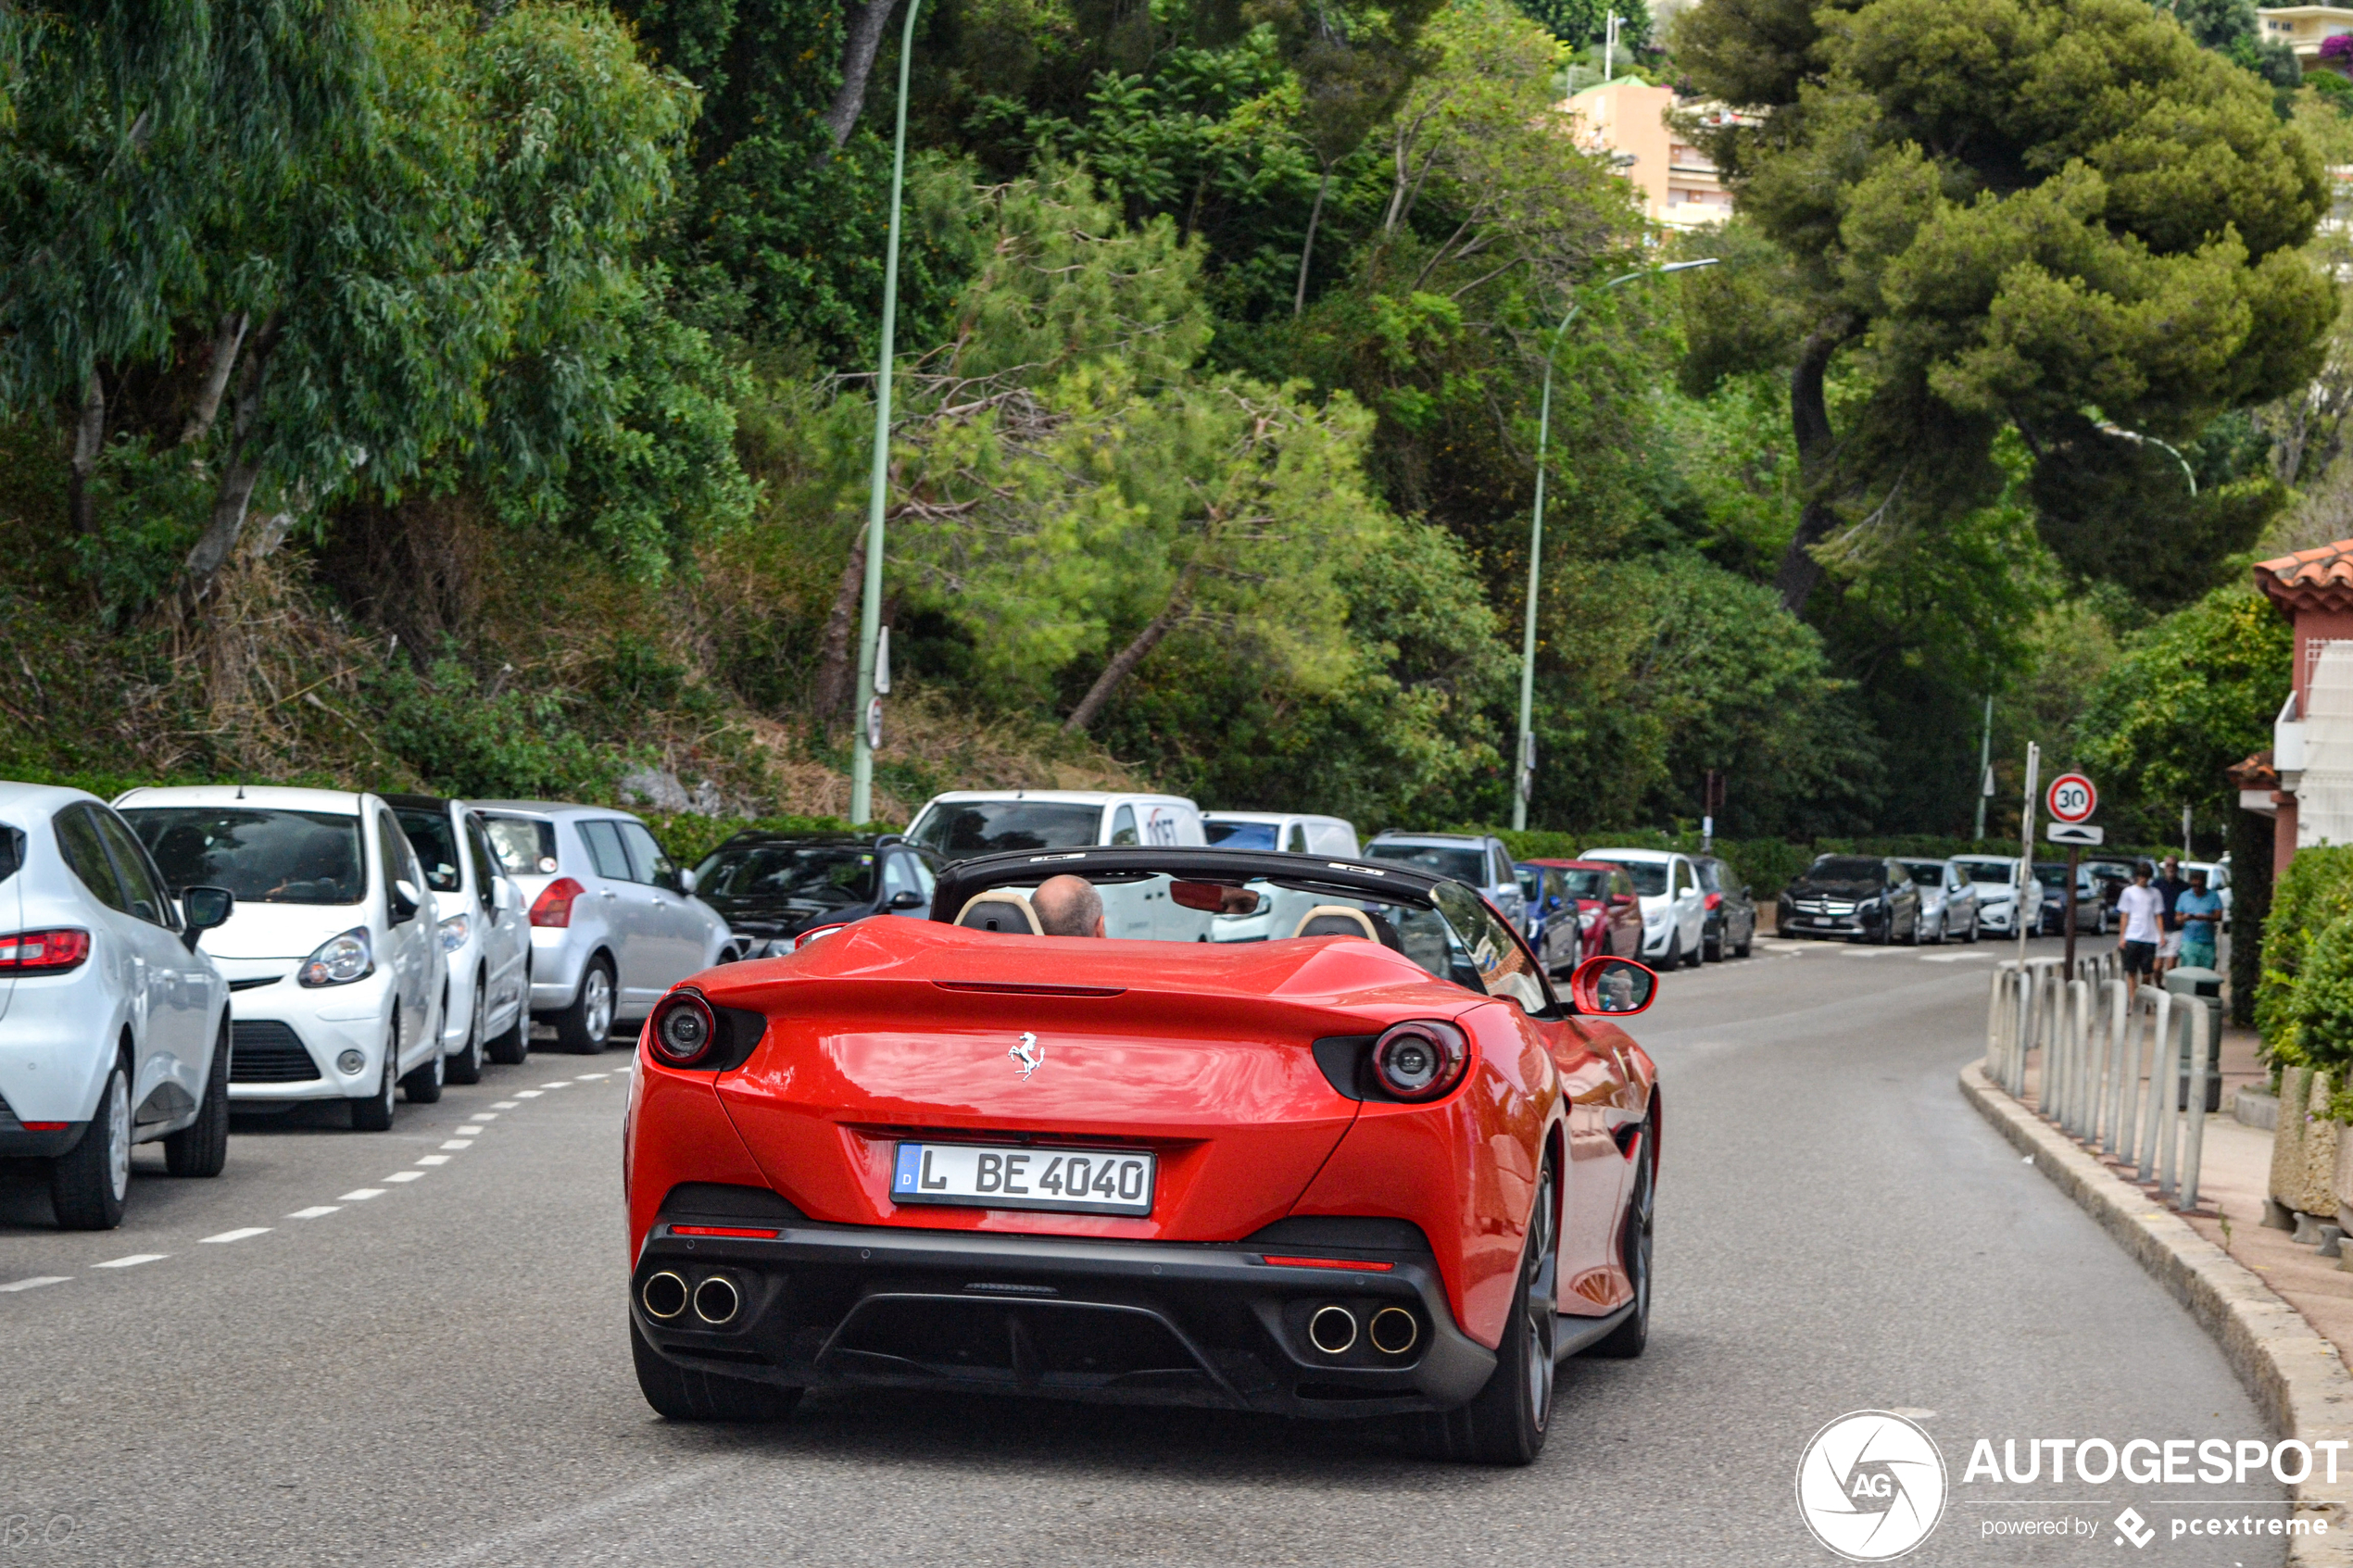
(1467, 864)
(11, 851)
(1648, 876)
(1241, 835)
(525, 846)
(1586, 885)
(264, 857)
(435, 843)
(1711, 875)
(959, 830)
(1928, 873)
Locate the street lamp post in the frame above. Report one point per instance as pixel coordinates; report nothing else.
(862, 756)
(1525, 761)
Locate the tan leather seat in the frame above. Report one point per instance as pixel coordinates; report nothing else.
(1001, 909)
(1337, 920)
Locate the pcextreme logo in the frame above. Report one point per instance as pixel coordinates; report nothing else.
(1871, 1486)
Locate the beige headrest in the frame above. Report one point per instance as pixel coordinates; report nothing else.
(1001, 909)
(1337, 920)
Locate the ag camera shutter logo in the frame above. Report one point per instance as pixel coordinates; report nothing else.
(1871, 1486)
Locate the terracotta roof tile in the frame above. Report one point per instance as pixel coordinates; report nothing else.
(2320, 578)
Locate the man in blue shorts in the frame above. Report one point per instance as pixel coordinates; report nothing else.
(2144, 910)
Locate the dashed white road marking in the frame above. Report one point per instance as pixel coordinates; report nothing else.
(239, 1235)
(434, 1160)
(592, 1077)
(485, 1116)
(526, 1094)
(132, 1262)
(456, 1143)
(508, 1104)
(319, 1210)
(468, 1132)
(35, 1282)
(361, 1196)
(1951, 958)
(558, 1084)
(406, 1176)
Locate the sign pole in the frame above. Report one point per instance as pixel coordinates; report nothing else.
(2074, 854)
(2026, 843)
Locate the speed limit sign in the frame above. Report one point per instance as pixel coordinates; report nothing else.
(2072, 799)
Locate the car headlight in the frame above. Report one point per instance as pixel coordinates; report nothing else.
(339, 960)
(453, 932)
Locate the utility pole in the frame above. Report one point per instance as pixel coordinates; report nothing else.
(1609, 46)
(1985, 768)
(861, 754)
(2187, 852)
(2026, 842)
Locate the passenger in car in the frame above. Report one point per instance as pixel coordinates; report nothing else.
(1068, 906)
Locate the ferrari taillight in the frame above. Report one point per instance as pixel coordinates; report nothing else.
(683, 1029)
(43, 952)
(553, 906)
(1422, 1060)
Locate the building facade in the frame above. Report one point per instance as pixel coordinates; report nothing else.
(1626, 122)
(2305, 782)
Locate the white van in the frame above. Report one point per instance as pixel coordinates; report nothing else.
(966, 823)
(1293, 833)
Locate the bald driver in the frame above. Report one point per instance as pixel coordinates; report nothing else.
(1068, 906)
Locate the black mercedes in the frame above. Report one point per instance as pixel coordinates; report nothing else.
(1855, 896)
(774, 888)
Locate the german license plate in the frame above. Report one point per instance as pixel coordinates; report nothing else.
(1079, 1181)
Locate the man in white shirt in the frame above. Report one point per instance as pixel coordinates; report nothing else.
(2143, 908)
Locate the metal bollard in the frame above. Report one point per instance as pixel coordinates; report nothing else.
(2159, 1005)
(2193, 1137)
(1998, 1010)
(2079, 1057)
(2111, 1055)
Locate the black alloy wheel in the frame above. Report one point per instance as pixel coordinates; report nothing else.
(679, 1395)
(1505, 1422)
(1627, 1339)
(201, 1149)
(466, 1066)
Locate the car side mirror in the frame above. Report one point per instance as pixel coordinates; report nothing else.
(203, 909)
(406, 901)
(686, 882)
(1615, 987)
(502, 894)
(907, 898)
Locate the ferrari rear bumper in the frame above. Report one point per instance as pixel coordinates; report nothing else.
(831, 1306)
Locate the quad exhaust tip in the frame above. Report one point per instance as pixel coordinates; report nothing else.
(1393, 1331)
(1332, 1330)
(717, 1301)
(663, 1294)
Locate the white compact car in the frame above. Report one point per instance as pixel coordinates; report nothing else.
(485, 938)
(334, 963)
(1995, 878)
(1674, 907)
(116, 1027)
(1294, 833)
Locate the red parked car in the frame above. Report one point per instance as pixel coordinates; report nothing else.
(1609, 915)
(1375, 1167)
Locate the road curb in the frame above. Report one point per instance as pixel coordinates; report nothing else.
(2294, 1374)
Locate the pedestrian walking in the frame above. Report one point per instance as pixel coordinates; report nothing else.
(2170, 888)
(2200, 910)
(2144, 910)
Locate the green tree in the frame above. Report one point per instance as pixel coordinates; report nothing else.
(2051, 215)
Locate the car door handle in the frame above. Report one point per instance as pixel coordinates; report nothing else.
(610, 896)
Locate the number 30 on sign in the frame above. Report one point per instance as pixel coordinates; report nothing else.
(2072, 799)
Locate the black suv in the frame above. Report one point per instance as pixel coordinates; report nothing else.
(1730, 925)
(1853, 895)
(772, 887)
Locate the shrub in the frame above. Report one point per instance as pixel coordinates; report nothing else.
(2320, 1007)
(2315, 895)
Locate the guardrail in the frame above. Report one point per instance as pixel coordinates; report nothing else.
(2109, 1053)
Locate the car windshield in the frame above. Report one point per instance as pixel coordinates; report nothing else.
(264, 857)
(435, 843)
(1586, 885)
(1242, 835)
(1466, 863)
(1845, 868)
(961, 829)
(826, 876)
(1650, 876)
(525, 847)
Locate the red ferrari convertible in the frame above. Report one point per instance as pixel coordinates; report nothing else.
(1378, 1167)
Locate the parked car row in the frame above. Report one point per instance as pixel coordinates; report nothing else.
(182, 952)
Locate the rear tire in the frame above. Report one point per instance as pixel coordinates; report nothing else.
(679, 1395)
(201, 1149)
(1505, 1422)
(581, 1027)
(88, 1182)
(466, 1066)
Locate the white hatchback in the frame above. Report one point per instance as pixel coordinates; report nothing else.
(334, 963)
(117, 1027)
(1674, 906)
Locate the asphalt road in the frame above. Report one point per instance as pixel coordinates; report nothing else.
(439, 1373)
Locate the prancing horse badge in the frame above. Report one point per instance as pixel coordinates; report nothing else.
(1028, 1055)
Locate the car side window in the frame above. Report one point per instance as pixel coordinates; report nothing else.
(485, 864)
(149, 900)
(605, 851)
(647, 862)
(78, 841)
(898, 877)
(400, 865)
(1122, 826)
(1683, 882)
(1295, 840)
(1503, 966)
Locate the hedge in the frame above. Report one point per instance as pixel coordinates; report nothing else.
(2313, 896)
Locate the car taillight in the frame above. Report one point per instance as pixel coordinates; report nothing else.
(682, 1030)
(43, 952)
(1420, 1061)
(1714, 901)
(553, 906)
